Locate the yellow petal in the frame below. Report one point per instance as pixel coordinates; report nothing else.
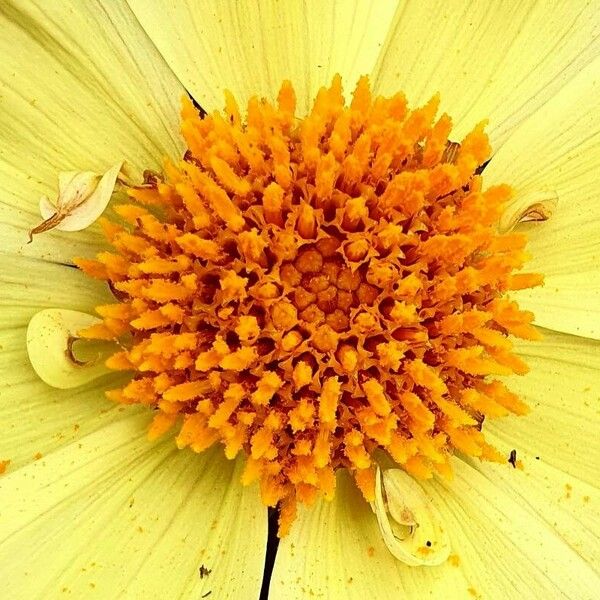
(513, 550)
(250, 48)
(496, 60)
(29, 286)
(569, 503)
(36, 419)
(562, 389)
(85, 89)
(117, 516)
(335, 550)
(558, 150)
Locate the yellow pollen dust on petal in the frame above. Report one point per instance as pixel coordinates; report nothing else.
(313, 291)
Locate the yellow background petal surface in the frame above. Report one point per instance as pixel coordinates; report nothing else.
(82, 87)
(251, 47)
(117, 517)
(558, 150)
(496, 60)
(504, 550)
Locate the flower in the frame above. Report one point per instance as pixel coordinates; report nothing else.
(92, 504)
(305, 303)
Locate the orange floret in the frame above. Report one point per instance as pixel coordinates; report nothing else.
(309, 291)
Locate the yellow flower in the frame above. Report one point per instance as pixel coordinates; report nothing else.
(91, 508)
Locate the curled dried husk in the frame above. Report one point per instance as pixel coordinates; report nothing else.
(51, 335)
(408, 519)
(535, 206)
(82, 197)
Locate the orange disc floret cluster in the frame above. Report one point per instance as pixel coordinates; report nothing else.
(308, 291)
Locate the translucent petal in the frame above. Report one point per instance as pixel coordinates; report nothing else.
(408, 520)
(250, 48)
(489, 60)
(558, 150)
(85, 89)
(119, 517)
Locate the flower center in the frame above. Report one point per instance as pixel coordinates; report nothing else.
(308, 291)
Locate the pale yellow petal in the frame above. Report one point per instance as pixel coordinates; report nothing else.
(501, 549)
(557, 443)
(562, 389)
(513, 551)
(114, 516)
(496, 60)
(28, 285)
(36, 418)
(251, 47)
(558, 150)
(82, 88)
(566, 502)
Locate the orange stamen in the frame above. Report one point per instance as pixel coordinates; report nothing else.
(315, 290)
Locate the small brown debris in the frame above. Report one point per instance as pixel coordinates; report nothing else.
(512, 459)
(152, 178)
(204, 571)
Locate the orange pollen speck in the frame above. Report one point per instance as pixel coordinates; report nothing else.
(307, 291)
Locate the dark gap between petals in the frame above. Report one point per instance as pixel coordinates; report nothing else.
(479, 170)
(272, 545)
(202, 112)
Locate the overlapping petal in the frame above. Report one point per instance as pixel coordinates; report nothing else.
(489, 60)
(82, 87)
(118, 517)
(557, 151)
(251, 47)
(562, 389)
(502, 549)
